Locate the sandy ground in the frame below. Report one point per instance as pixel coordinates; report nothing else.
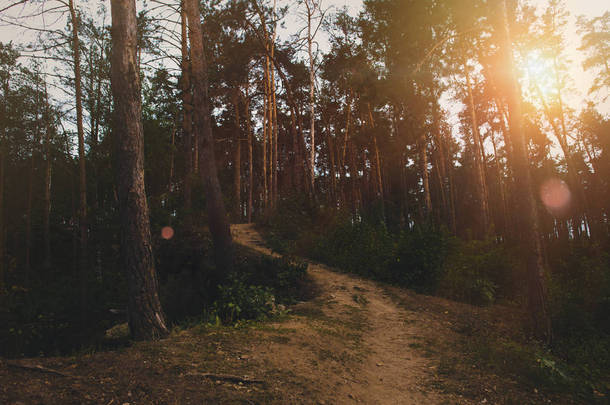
(357, 341)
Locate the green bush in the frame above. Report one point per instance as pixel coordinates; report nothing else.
(238, 300)
(419, 258)
(477, 272)
(358, 247)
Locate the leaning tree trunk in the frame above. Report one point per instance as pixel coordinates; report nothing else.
(217, 217)
(529, 227)
(146, 318)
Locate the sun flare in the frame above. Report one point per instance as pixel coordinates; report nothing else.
(539, 73)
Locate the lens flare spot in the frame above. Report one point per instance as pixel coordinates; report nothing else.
(167, 232)
(555, 195)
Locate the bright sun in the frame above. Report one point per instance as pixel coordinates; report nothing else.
(539, 71)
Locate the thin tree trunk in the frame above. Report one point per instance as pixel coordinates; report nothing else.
(333, 173)
(2, 239)
(502, 187)
(265, 135)
(217, 216)
(441, 167)
(423, 161)
(172, 158)
(561, 135)
(379, 180)
(478, 164)
(82, 183)
(46, 210)
(250, 157)
(145, 315)
(187, 122)
(269, 132)
(274, 127)
(312, 130)
(530, 230)
(237, 161)
(3, 136)
(28, 210)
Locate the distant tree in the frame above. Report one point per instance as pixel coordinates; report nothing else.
(596, 44)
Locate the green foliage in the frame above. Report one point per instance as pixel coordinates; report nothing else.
(45, 318)
(238, 300)
(419, 258)
(580, 307)
(285, 277)
(258, 285)
(529, 363)
(288, 223)
(190, 287)
(358, 247)
(366, 247)
(477, 272)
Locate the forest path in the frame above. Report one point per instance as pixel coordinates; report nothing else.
(354, 342)
(390, 365)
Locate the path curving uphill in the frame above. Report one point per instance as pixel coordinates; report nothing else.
(392, 367)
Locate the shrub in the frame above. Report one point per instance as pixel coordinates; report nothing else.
(238, 300)
(419, 259)
(477, 272)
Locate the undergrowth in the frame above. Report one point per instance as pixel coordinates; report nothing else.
(477, 272)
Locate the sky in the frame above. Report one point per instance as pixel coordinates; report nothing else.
(581, 80)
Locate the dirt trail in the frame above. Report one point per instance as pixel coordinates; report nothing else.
(355, 342)
(391, 370)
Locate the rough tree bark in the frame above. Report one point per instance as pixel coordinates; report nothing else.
(146, 318)
(217, 216)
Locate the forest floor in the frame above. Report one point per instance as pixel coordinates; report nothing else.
(357, 341)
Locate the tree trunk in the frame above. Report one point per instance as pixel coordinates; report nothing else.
(237, 161)
(579, 203)
(478, 164)
(265, 134)
(145, 316)
(46, 210)
(250, 156)
(530, 228)
(333, 174)
(28, 209)
(3, 136)
(187, 123)
(82, 183)
(501, 186)
(217, 217)
(2, 239)
(274, 157)
(312, 128)
(423, 161)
